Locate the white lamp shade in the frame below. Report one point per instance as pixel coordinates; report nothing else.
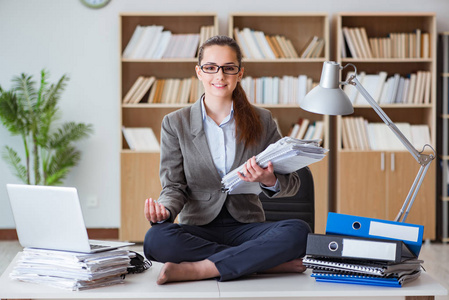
(327, 101)
(328, 98)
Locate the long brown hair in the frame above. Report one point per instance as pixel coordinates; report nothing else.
(248, 124)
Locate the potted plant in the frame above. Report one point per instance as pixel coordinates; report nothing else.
(31, 114)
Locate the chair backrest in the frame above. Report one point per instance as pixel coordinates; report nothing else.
(300, 206)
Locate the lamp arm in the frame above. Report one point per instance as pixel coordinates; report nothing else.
(423, 159)
(386, 119)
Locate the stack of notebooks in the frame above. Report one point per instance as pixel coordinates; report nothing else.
(358, 250)
(72, 270)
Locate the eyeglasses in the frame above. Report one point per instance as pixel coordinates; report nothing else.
(212, 69)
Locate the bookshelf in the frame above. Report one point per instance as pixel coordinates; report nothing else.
(374, 183)
(140, 169)
(443, 133)
(299, 28)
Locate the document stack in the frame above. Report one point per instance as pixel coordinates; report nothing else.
(72, 270)
(287, 155)
(366, 251)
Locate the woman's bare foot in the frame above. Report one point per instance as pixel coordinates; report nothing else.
(293, 266)
(187, 271)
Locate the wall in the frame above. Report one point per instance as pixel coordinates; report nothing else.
(66, 37)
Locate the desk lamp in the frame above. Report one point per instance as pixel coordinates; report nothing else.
(327, 98)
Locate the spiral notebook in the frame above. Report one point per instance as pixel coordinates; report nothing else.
(362, 267)
(364, 279)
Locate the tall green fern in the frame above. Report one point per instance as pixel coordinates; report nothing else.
(30, 112)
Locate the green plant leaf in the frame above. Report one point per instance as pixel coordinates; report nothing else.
(12, 115)
(63, 159)
(69, 132)
(14, 160)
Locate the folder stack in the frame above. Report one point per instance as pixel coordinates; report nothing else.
(366, 251)
(72, 270)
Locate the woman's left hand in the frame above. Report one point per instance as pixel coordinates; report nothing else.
(252, 172)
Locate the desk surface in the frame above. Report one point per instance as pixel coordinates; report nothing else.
(276, 286)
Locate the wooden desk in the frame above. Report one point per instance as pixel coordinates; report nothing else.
(266, 287)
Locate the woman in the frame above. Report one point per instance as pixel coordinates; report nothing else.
(219, 235)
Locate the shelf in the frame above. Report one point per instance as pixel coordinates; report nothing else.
(162, 60)
(385, 177)
(386, 60)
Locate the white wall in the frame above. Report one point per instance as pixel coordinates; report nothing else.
(64, 36)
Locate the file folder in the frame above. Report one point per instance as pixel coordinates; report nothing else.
(410, 234)
(357, 248)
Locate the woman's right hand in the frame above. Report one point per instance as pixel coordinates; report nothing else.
(155, 212)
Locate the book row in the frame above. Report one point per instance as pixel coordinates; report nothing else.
(413, 88)
(286, 90)
(153, 42)
(168, 91)
(357, 44)
(265, 90)
(141, 139)
(359, 134)
(306, 129)
(258, 45)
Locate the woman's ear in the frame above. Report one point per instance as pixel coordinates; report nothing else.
(198, 72)
(240, 74)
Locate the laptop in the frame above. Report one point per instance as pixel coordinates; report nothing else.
(50, 217)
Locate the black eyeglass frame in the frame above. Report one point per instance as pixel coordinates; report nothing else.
(222, 69)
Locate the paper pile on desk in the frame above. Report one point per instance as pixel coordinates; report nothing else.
(71, 270)
(287, 155)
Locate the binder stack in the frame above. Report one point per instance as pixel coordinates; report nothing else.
(72, 270)
(366, 251)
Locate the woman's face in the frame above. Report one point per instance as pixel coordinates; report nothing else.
(219, 84)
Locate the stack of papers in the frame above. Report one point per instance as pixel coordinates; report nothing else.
(287, 155)
(71, 270)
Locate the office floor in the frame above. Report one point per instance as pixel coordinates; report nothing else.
(435, 256)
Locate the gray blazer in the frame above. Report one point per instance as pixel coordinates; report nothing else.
(191, 185)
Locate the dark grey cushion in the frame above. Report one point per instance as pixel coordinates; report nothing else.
(301, 206)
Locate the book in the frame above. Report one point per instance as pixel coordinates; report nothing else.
(142, 90)
(253, 46)
(420, 136)
(275, 43)
(132, 42)
(303, 129)
(317, 50)
(141, 139)
(264, 46)
(309, 46)
(133, 89)
(366, 42)
(242, 43)
(272, 46)
(350, 42)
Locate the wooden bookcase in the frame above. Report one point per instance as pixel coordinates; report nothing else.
(375, 183)
(443, 137)
(299, 28)
(139, 169)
